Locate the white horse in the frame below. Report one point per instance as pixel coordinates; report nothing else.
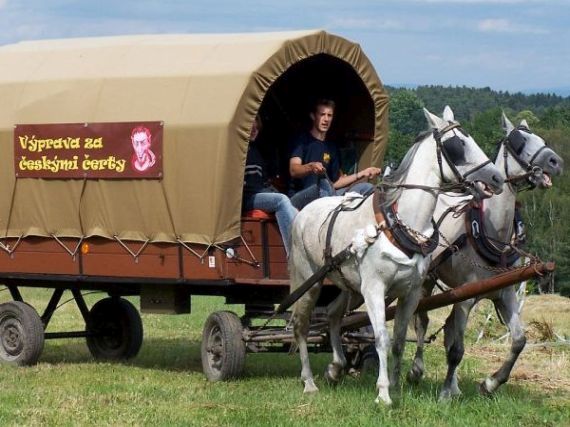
(381, 268)
(524, 160)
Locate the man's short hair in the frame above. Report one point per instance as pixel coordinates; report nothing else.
(325, 102)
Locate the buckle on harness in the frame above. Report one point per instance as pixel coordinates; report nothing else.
(475, 231)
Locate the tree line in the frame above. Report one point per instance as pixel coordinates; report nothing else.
(479, 111)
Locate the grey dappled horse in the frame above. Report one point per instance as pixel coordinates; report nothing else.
(524, 160)
(379, 268)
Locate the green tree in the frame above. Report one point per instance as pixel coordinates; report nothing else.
(406, 114)
(486, 129)
(527, 115)
(406, 121)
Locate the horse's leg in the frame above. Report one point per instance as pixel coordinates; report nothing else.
(421, 322)
(454, 330)
(507, 306)
(335, 312)
(301, 323)
(404, 312)
(374, 299)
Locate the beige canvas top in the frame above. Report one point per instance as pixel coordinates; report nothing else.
(205, 88)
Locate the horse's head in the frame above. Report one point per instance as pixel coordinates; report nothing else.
(460, 159)
(535, 161)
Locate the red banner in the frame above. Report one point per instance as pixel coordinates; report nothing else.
(89, 150)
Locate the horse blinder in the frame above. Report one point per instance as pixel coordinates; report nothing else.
(454, 150)
(517, 141)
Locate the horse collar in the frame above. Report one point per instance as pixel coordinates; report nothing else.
(495, 252)
(398, 234)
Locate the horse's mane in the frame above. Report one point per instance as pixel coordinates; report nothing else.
(398, 176)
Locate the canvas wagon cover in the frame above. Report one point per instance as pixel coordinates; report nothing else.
(206, 89)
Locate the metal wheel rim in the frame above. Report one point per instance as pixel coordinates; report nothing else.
(11, 337)
(215, 349)
(110, 336)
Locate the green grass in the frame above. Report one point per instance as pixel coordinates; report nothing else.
(164, 385)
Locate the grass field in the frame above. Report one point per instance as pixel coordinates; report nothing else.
(164, 384)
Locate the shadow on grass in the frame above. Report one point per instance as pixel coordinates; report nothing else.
(178, 354)
(183, 355)
(174, 354)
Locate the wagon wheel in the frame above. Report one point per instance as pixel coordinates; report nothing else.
(21, 334)
(369, 361)
(223, 347)
(114, 330)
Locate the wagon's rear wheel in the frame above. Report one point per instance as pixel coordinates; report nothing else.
(21, 334)
(114, 330)
(223, 347)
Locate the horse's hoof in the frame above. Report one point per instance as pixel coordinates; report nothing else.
(487, 387)
(447, 395)
(383, 398)
(354, 373)
(310, 387)
(333, 373)
(414, 375)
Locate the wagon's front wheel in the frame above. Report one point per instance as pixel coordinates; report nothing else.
(21, 334)
(114, 330)
(223, 347)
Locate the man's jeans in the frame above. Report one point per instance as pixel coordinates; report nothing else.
(284, 212)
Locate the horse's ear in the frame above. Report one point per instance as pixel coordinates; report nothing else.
(434, 122)
(506, 124)
(448, 114)
(524, 124)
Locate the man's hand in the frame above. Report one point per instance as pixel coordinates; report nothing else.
(315, 168)
(299, 170)
(370, 173)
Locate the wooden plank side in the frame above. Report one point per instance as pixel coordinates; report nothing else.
(38, 255)
(102, 257)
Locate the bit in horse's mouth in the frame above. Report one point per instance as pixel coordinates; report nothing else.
(546, 180)
(484, 190)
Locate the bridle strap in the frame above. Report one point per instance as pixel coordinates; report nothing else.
(437, 135)
(535, 155)
(528, 166)
(476, 168)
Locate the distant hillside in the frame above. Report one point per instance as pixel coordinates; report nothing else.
(467, 101)
(560, 91)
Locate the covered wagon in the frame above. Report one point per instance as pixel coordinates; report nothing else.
(81, 209)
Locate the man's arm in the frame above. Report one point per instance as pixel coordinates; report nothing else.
(299, 170)
(365, 175)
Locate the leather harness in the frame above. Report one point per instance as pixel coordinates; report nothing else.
(398, 233)
(496, 253)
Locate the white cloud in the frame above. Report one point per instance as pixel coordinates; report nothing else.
(3, 3)
(505, 26)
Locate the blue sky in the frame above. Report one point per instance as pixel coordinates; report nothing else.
(505, 44)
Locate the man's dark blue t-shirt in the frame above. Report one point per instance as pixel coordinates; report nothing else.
(311, 149)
